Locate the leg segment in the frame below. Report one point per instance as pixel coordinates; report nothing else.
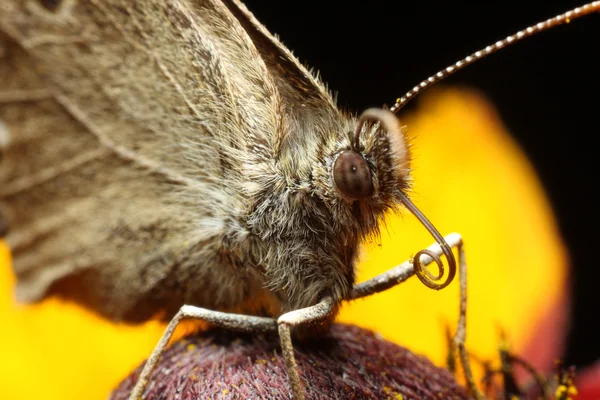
(303, 316)
(237, 322)
(400, 273)
(404, 271)
(461, 330)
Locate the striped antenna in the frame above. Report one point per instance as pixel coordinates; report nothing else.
(532, 30)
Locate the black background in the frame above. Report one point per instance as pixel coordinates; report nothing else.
(546, 89)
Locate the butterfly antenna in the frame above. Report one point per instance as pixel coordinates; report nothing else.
(530, 31)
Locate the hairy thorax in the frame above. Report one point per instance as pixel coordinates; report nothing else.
(297, 250)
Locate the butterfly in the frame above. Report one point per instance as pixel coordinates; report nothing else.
(177, 153)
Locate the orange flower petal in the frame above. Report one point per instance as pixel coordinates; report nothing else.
(588, 383)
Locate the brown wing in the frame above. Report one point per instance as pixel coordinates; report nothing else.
(124, 126)
(295, 83)
(310, 107)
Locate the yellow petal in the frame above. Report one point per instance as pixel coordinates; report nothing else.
(56, 350)
(470, 178)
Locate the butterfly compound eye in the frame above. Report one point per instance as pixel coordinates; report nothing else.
(352, 175)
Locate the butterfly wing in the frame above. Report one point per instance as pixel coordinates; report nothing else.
(127, 128)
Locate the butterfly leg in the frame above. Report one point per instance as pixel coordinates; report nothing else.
(245, 323)
(404, 271)
(303, 316)
(461, 330)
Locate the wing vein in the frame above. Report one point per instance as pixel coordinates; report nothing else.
(121, 151)
(163, 69)
(16, 96)
(50, 173)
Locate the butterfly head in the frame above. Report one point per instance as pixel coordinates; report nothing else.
(370, 174)
(369, 171)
